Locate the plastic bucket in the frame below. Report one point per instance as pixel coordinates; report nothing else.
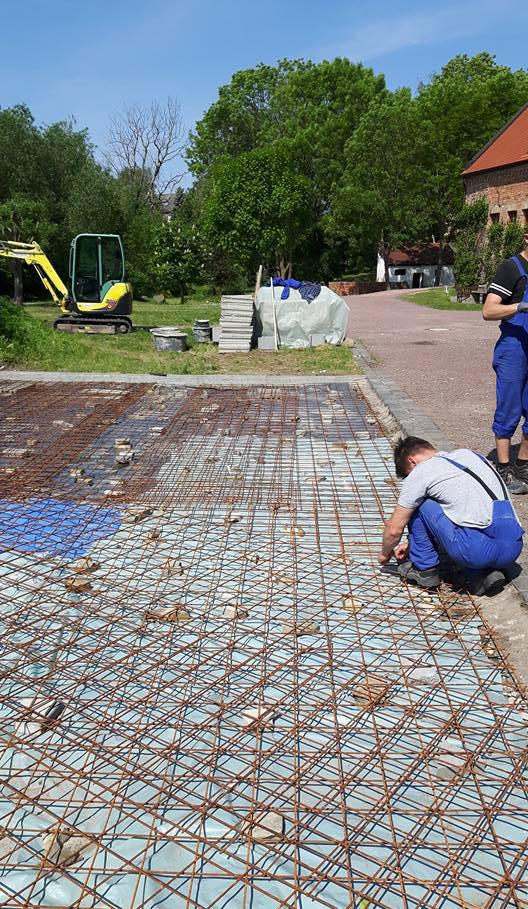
(169, 339)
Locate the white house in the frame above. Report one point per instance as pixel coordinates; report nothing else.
(415, 266)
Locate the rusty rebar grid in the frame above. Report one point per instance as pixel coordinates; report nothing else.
(303, 731)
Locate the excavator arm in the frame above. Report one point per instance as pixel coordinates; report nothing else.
(32, 254)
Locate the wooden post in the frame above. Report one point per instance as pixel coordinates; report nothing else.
(274, 314)
(258, 281)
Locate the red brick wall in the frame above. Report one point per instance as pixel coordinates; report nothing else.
(346, 288)
(506, 190)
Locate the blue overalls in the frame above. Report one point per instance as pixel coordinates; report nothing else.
(510, 362)
(475, 548)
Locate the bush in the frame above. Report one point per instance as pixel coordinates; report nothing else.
(479, 250)
(513, 240)
(23, 338)
(494, 249)
(469, 244)
(203, 293)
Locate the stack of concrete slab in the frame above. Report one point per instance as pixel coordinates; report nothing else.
(236, 323)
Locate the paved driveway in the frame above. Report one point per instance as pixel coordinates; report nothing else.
(441, 359)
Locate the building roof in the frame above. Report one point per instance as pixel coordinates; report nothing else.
(508, 146)
(420, 254)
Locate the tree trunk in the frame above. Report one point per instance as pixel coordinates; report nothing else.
(284, 268)
(438, 273)
(386, 256)
(18, 282)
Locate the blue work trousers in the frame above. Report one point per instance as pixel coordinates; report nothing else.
(471, 547)
(510, 362)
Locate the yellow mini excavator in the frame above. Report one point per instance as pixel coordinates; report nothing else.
(100, 300)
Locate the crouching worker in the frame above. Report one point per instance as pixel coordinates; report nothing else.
(454, 502)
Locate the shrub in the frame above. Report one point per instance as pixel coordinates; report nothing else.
(469, 244)
(493, 254)
(513, 240)
(23, 339)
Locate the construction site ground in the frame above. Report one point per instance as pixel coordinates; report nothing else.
(135, 353)
(211, 694)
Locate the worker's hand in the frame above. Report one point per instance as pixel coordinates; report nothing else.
(401, 551)
(383, 559)
(522, 306)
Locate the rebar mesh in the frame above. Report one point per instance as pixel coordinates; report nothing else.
(234, 707)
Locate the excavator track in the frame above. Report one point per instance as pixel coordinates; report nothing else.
(99, 325)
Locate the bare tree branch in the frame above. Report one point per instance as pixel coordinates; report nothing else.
(142, 143)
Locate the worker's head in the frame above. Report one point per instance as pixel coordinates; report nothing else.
(410, 451)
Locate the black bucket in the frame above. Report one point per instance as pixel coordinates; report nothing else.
(202, 331)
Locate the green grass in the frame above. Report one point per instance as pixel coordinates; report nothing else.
(27, 340)
(436, 298)
(150, 315)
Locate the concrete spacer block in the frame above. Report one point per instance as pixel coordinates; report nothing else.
(266, 342)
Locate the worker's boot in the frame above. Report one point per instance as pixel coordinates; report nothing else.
(514, 482)
(424, 577)
(486, 583)
(521, 473)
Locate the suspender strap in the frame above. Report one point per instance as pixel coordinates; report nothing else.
(475, 476)
(496, 472)
(522, 271)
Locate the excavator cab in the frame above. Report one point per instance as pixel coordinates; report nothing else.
(97, 279)
(97, 262)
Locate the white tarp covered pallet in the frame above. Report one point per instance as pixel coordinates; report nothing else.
(298, 320)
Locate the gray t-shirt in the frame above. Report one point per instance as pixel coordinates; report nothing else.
(463, 500)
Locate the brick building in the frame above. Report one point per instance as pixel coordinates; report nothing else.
(499, 172)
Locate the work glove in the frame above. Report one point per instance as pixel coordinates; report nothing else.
(522, 306)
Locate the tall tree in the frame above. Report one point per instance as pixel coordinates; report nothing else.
(258, 208)
(20, 143)
(316, 107)
(22, 219)
(144, 144)
(461, 108)
(178, 255)
(240, 119)
(381, 195)
(323, 103)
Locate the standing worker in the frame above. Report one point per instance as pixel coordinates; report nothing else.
(507, 302)
(455, 502)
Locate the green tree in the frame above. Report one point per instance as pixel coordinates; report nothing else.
(461, 108)
(95, 203)
(51, 188)
(240, 119)
(322, 104)
(178, 256)
(258, 209)
(469, 243)
(20, 146)
(22, 219)
(316, 107)
(380, 199)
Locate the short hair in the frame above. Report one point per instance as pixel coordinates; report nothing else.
(404, 449)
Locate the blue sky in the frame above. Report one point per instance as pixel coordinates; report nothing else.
(89, 59)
